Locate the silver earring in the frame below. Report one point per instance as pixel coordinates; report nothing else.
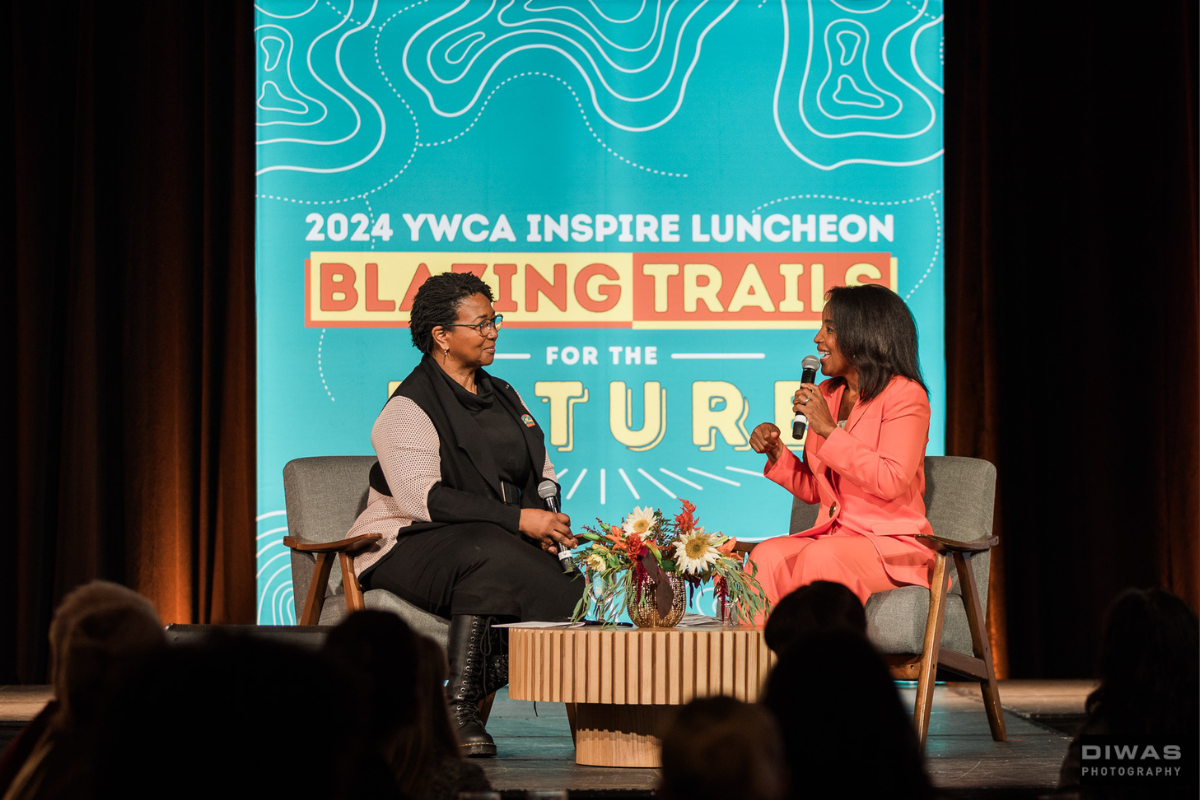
(446, 352)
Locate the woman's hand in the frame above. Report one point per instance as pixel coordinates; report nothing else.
(765, 439)
(548, 529)
(809, 401)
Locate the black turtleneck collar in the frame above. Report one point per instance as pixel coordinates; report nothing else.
(472, 402)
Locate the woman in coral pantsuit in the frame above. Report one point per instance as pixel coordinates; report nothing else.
(864, 459)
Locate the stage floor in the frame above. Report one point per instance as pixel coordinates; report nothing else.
(963, 761)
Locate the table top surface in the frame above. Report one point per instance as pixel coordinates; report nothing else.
(632, 628)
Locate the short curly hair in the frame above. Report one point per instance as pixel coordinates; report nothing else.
(437, 301)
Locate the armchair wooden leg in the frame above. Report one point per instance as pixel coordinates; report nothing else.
(350, 584)
(485, 707)
(930, 649)
(316, 590)
(981, 646)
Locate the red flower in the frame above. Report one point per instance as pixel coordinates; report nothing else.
(686, 521)
(634, 546)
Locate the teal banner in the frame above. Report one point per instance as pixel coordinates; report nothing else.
(658, 192)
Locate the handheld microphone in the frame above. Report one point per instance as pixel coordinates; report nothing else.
(799, 422)
(548, 491)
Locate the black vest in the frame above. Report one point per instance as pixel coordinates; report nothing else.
(466, 461)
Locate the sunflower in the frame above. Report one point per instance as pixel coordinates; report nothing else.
(695, 552)
(639, 521)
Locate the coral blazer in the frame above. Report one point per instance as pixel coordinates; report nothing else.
(879, 461)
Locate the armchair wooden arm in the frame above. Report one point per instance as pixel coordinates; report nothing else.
(946, 546)
(938, 543)
(352, 545)
(324, 552)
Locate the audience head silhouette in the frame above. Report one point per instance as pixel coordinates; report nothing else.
(839, 710)
(403, 675)
(381, 649)
(99, 635)
(720, 747)
(235, 716)
(817, 607)
(98, 632)
(1149, 666)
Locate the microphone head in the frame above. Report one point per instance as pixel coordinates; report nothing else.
(547, 489)
(811, 362)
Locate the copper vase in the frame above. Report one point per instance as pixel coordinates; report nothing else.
(644, 612)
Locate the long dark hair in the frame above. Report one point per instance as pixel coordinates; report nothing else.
(436, 303)
(857, 701)
(877, 334)
(430, 738)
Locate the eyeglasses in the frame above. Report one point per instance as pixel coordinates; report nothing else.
(492, 324)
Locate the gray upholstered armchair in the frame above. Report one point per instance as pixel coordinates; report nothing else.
(920, 630)
(324, 496)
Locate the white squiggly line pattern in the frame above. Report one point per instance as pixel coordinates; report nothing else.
(850, 135)
(357, 116)
(586, 74)
(582, 111)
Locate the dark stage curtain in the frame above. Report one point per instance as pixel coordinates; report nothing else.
(1071, 307)
(131, 337)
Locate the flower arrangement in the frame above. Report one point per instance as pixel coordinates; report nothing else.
(644, 559)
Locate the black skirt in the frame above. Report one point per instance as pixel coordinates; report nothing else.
(476, 568)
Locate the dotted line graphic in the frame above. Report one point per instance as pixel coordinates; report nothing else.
(362, 196)
(582, 112)
(937, 248)
(340, 13)
(942, 51)
(929, 196)
(384, 75)
(937, 218)
(915, 7)
(321, 368)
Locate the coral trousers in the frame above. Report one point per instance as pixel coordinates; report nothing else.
(785, 563)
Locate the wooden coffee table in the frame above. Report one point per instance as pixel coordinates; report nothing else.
(620, 685)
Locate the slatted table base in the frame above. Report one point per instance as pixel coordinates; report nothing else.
(619, 736)
(623, 686)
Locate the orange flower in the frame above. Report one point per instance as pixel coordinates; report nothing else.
(727, 548)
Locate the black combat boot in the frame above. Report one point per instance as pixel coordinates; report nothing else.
(466, 688)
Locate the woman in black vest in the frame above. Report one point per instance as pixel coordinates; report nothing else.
(455, 496)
